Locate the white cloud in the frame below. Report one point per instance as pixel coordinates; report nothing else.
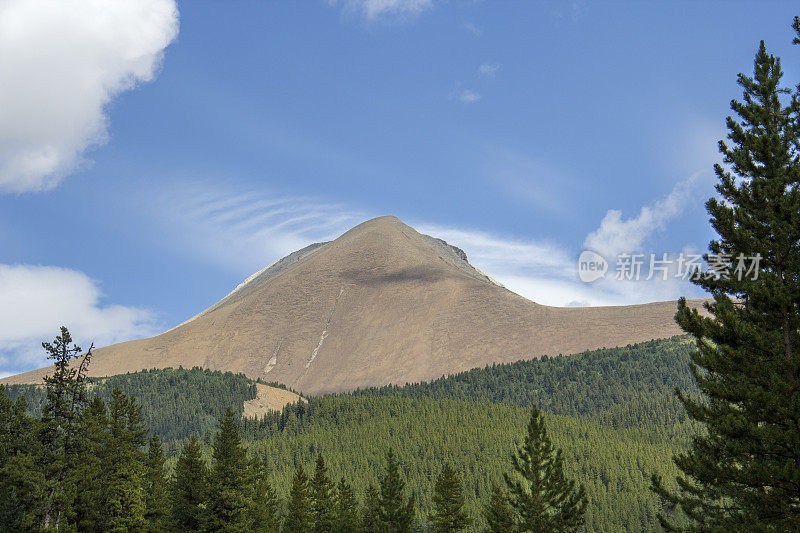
(37, 300)
(468, 96)
(243, 230)
(617, 235)
(373, 10)
(546, 273)
(473, 29)
(61, 63)
(488, 69)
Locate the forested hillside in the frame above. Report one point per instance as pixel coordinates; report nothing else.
(477, 438)
(615, 383)
(612, 411)
(176, 403)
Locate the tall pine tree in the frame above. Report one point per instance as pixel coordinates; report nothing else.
(124, 465)
(265, 507)
(448, 514)
(155, 486)
(188, 489)
(346, 519)
(229, 490)
(743, 471)
(371, 517)
(322, 497)
(395, 510)
(542, 497)
(66, 398)
(299, 510)
(88, 477)
(498, 514)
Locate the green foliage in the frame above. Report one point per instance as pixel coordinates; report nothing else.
(124, 470)
(229, 487)
(542, 497)
(347, 519)
(188, 489)
(155, 488)
(497, 513)
(176, 403)
(265, 509)
(371, 520)
(299, 510)
(619, 384)
(464, 424)
(448, 503)
(476, 438)
(743, 471)
(395, 509)
(322, 497)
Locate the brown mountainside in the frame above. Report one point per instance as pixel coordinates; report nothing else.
(381, 304)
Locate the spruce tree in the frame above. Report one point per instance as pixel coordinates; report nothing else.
(124, 465)
(395, 511)
(66, 398)
(448, 514)
(188, 489)
(299, 511)
(371, 517)
(542, 497)
(265, 507)
(346, 518)
(155, 486)
(229, 490)
(21, 478)
(498, 514)
(322, 497)
(743, 470)
(88, 476)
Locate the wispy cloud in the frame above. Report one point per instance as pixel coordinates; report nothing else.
(472, 28)
(468, 96)
(244, 229)
(488, 69)
(376, 10)
(39, 299)
(62, 63)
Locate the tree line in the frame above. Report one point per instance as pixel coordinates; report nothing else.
(87, 466)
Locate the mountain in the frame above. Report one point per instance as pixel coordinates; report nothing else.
(381, 304)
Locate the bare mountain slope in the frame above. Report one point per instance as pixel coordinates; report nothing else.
(381, 304)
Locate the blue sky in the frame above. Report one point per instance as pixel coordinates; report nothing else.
(154, 156)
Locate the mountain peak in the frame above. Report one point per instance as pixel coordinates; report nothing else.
(380, 304)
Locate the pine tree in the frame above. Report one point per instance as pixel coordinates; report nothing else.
(448, 503)
(744, 470)
(322, 497)
(371, 518)
(88, 475)
(66, 397)
(188, 489)
(395, 513)
(155, 486)
(21, 478)
(499, 516)
(299, 511)
(229, 489)
(124, 466)
(543, 499)
(265, 507)
(346, 519)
